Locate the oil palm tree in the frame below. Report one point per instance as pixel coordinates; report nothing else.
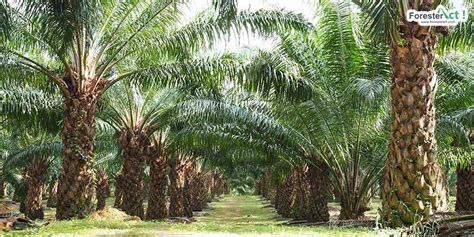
(413, 182)
(35, 161)
(343, 68)
(455, 116)
(79, 46)
(135, 117)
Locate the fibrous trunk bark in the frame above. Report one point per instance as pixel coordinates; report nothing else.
(135, 151)
(2, 186)
(208, 186)
(299, 207)
(286, 196)
(102, 189)
(200, 193)
(465, 189)
(318, 179)
(76, 188)
(157, 208)
(118, 192)
(34, 197)
(52, 193)
(176, 208)
(413, 185)
(190, 174)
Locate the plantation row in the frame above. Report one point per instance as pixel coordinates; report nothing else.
(135, 92)
(189, 190)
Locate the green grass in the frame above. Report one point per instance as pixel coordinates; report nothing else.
(233, 214)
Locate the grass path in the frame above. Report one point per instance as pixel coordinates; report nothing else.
(230, 216)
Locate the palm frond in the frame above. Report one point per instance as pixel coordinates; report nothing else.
(382, 18)
(461, 38)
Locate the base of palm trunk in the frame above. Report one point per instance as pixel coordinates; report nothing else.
(2, 187)
(75, 191)
(76, 188)
(465, 189)
(200, 193)
(157, 208)
(300, 208)
(34, 198)
(102, 189)
(118, 193)
(318, 179)
(176, 208)
(136, 152)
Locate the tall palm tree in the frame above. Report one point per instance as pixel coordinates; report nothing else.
(80, 45)
(414, 186)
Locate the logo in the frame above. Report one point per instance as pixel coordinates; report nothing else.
(438, 17)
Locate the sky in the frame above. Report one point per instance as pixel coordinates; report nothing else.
(306, 7)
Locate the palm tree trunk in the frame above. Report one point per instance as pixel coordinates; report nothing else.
(2, 187)
(200, 194)
(176, 208)
(157, 208)
(414, 185)
(52, 194)
(34, 197)
(102, 189)
(118, 192)
(318, 178)
(465, 189)
(208, 186)
(188, 211)
(286, 196)
(76, 189)
(188, 188)
(136, 152)
(299, 206)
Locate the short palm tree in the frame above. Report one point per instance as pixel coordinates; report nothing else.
(455, 122)
(135, 117)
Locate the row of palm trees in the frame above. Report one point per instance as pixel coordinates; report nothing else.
(317, 101)
(345, 124)
(84, 48)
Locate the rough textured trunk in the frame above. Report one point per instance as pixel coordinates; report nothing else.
(188, 211)
(200, 195)
(102, 189)
(189, 188)
(318, 179)
(299, 207)
(218, 185)
(176, 208)
(286, 196)
(414, 185)
(118, 192)
(2, 187)
(208, 185)
(76, 189)
(23, 206)
(136, 152)
(157, 208)
(52, 194)
(264, 183)
(272, 195)
(34, 198)
(465, 189)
